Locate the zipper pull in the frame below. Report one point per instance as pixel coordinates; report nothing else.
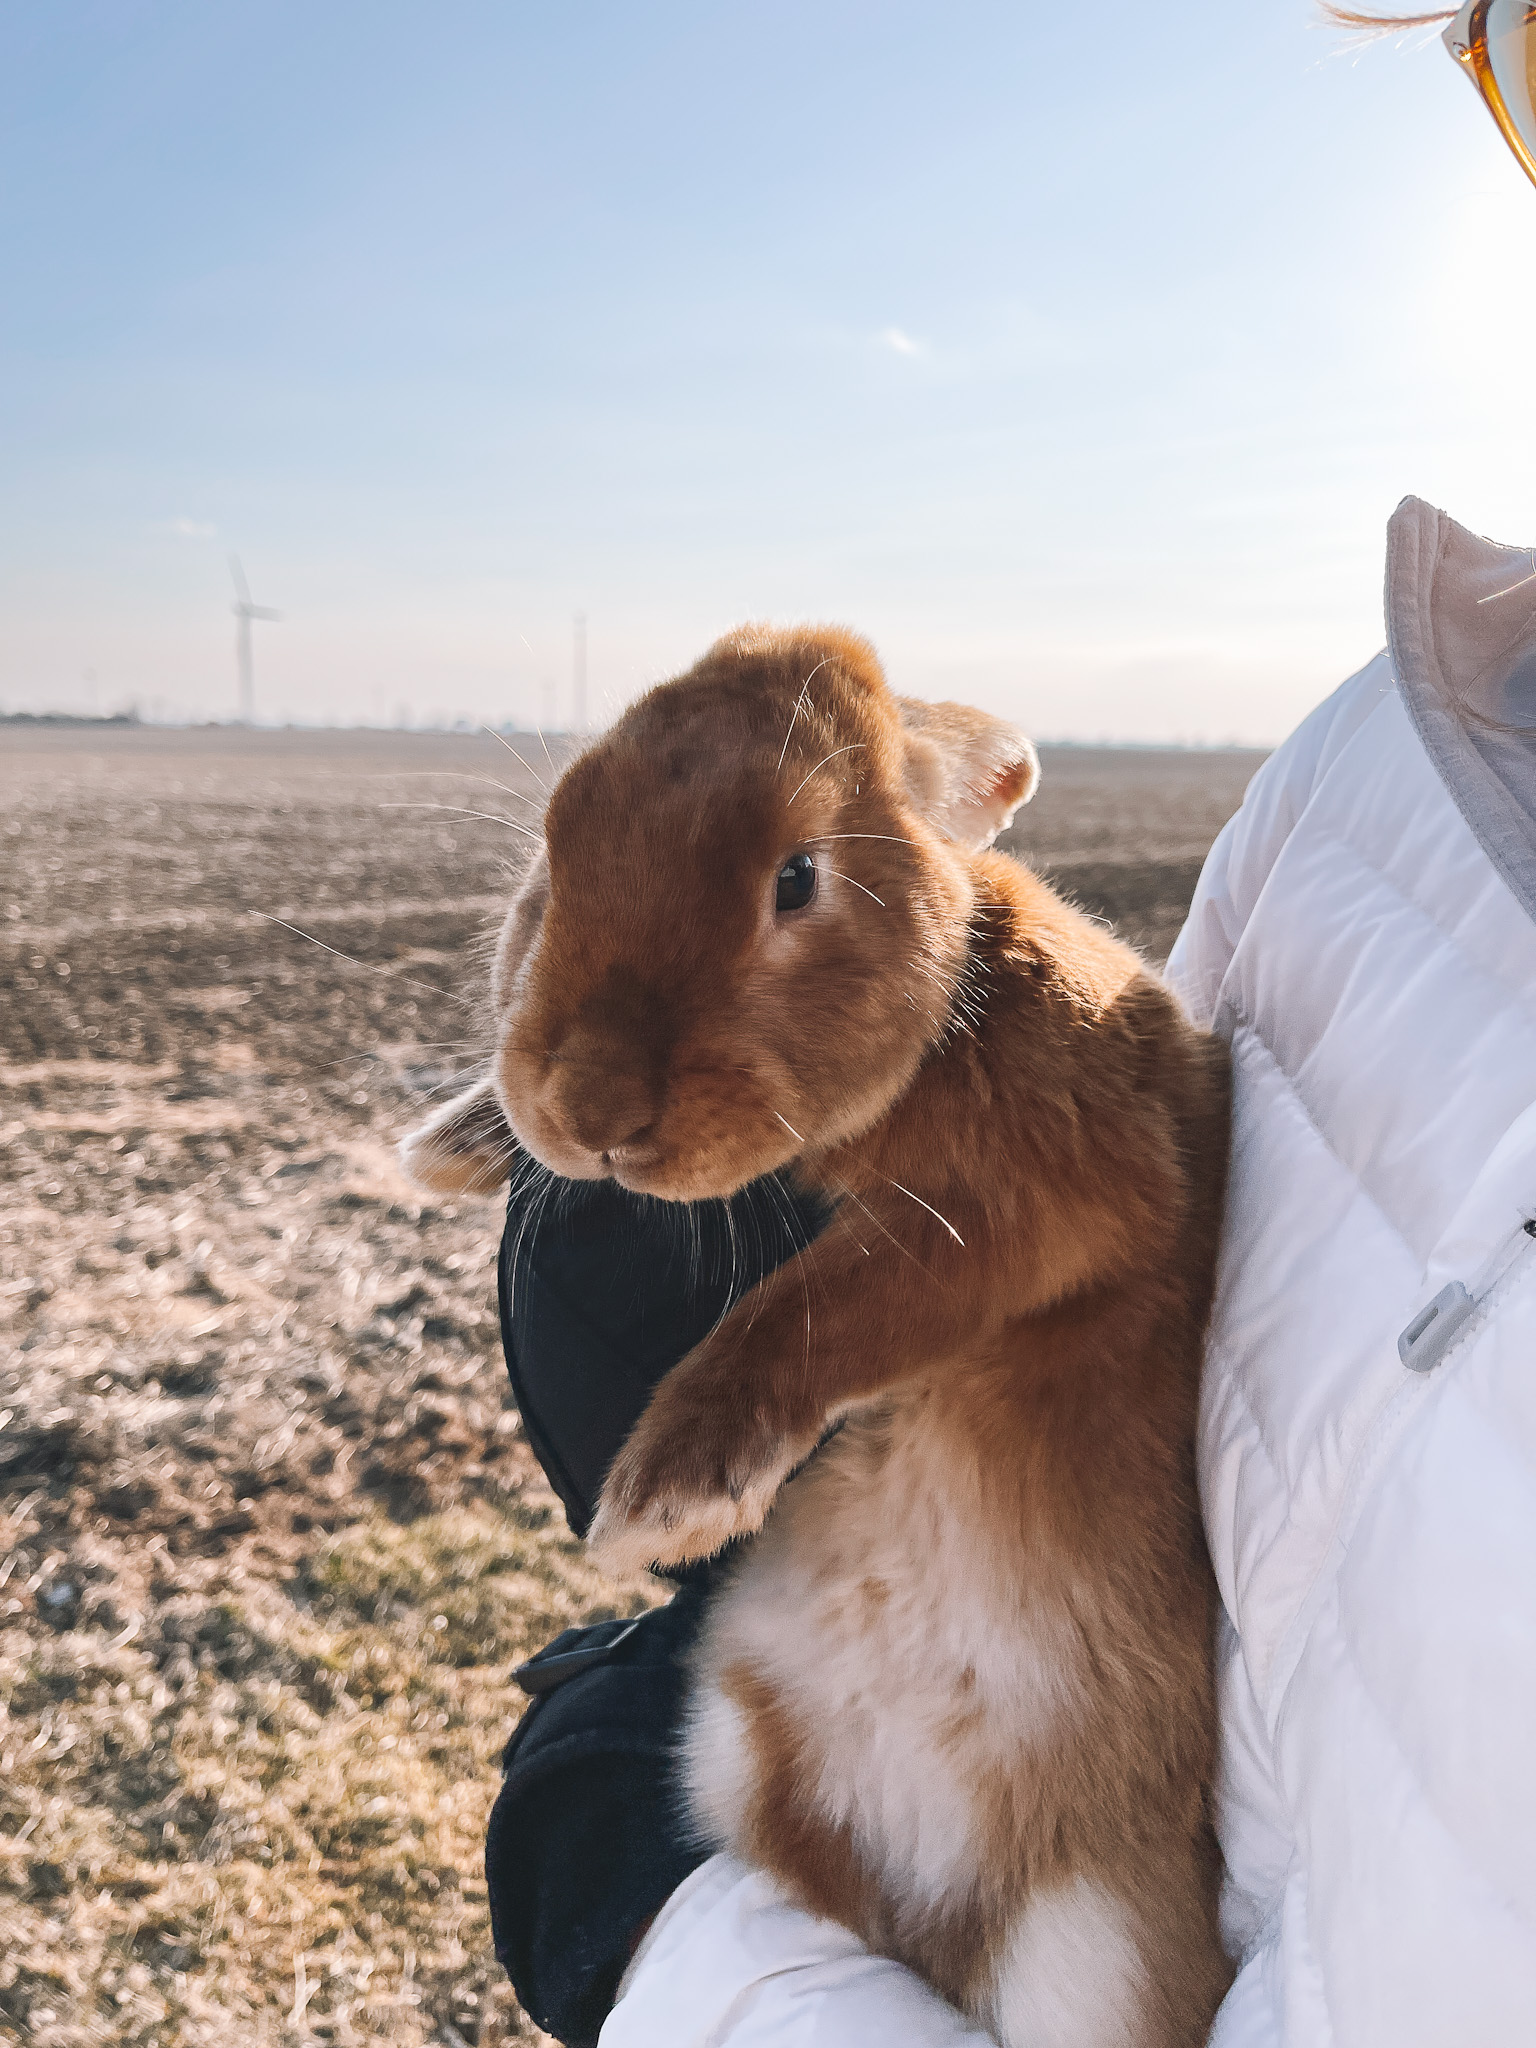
(1428, 1337)
(1433, 1330)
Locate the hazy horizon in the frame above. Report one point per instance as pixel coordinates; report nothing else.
(132, 719)
(1078, 360)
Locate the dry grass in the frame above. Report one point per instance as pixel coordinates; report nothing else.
(270, 1535)
(260, 1819)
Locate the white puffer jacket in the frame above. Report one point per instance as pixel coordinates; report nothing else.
(1365, 935)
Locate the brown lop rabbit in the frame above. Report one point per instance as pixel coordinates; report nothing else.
(958, 1694)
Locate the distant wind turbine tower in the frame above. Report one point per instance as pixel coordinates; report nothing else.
(244, 612)
(579, 674)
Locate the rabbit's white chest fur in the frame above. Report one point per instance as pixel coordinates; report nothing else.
(913, 1671)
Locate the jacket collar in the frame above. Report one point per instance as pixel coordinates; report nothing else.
(1461, 632)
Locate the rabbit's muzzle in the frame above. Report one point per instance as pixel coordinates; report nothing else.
(597, 1098)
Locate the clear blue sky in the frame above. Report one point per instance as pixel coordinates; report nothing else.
(1076, 353)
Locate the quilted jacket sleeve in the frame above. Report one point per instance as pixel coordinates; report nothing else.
(1247, 848)
(1255, 1830)
(730, 1963)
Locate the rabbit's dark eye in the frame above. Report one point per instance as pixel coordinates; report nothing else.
(797, 883)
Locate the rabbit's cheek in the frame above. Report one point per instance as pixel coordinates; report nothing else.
(701, 1167)
(517, 944)
(721, 1126)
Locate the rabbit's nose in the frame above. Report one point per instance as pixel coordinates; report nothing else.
(609, 1129)
(630, 1143)
(603, 1110)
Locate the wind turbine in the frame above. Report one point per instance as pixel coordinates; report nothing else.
(244, 612)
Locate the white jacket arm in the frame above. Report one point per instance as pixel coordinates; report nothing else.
(1239, 864)
(730, 1963)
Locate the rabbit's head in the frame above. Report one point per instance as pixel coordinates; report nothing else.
(745, 927)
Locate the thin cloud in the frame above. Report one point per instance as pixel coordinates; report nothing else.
(900, 343)
(191, 529)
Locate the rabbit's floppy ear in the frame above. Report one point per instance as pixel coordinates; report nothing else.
(966, 772)
(465, 1149)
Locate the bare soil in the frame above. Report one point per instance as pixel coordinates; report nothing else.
(270, 1535)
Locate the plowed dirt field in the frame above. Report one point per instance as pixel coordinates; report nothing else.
(270, 1535)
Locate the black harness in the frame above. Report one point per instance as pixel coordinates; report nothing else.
(602, 1292)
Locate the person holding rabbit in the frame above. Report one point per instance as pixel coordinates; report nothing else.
(1363, 939)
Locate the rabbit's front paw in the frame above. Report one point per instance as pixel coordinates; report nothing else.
(688, 1481)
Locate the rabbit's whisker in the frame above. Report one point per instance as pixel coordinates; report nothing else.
(362, 1060)
(888, 1234)
(469, 775)
(368, 966)
(1510, 589)
(518, 757)
(730, 1231)
(863, 1247)
(537, 1183)
(816, 671)
(896, 1184)
(491, 817)
(455, 775)
(891, 837)
(854, 749)
(435, 1045)
(784, 1120)
(449, 1085)
(857, 885)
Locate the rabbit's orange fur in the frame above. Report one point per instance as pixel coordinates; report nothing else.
(958, 1694)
